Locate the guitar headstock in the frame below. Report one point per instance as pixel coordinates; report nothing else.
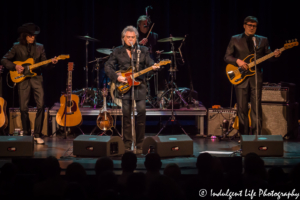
(291, 44)
(70, 66)
(62, 57)
(164, 62)
(104, 92)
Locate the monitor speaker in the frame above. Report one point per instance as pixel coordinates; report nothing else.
(97, 146)
(263, 145)
(16, 146)
(169, 146)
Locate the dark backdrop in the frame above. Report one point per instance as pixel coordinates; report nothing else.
(207, 24)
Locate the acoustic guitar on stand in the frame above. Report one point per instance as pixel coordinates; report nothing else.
(29, 66)
(69, 114)
(3, 115)
(236, 75)
(124, 87)
(104, 120)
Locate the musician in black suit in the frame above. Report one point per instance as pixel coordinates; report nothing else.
(122, 56)
(240, 46)
(27, 47)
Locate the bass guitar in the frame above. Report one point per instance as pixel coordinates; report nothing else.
(104, 120)
(237, 75)
(69, 114)
(3, 115)
(29, 66)
(124, 87)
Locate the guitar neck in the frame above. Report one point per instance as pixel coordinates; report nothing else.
(143, 72)
(104, 104)
(270, 55)
(40, 64)
(69, 86)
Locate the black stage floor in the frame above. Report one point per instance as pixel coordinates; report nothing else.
(62, 149)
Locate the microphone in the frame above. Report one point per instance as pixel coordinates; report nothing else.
(131, 44)
(254, 41)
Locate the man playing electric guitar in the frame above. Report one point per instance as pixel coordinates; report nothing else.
(21, 51)
(122, 55)
(240, 46)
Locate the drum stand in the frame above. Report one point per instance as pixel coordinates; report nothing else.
(172, 73)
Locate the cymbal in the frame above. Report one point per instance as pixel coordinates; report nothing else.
(169, 39)
(169, 52)
(86, 37)
(104, 51)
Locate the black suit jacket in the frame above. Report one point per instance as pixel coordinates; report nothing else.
(238, 49)
(19, 53)
(120, 57)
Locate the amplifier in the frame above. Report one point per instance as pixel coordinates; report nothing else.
(16, 123)
(280, 119)
(280, 93)
(215, 120)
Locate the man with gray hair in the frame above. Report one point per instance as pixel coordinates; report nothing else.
(122, 56)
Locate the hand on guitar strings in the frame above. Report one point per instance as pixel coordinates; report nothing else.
(242, 64)
(19, 69)
(277, 53)
(155, 66)
(143, 41)
(122, 79)
(54, 60)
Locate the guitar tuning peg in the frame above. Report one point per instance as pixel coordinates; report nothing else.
(285, 41)
(292, 40)
(289, 41)
(296, 39)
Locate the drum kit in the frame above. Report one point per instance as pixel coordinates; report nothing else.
(92, 97)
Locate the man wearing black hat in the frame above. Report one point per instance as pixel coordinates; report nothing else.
(21, 51)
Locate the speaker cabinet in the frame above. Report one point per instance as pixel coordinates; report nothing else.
(169, 146)
(16, 123)
(280, 119)
(215, 120)
(97, 146)
(12, 146)
(264, 145)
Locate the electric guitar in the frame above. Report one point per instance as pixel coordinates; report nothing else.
(104, 120)
(3, 116)
(69, 105)
(124, 87)
(236, 75)
(29, 66)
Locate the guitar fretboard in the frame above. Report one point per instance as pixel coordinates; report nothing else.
(264, 58)
(143, 72)
(40, 64)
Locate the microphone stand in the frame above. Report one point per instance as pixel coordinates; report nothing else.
(256, 99)
(132, 100)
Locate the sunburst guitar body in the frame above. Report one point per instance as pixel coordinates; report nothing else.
(29, 65)
(237, 75)
(125, 87)
(69, 114)
(3, 115)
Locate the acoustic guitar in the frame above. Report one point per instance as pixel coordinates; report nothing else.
(3, 115)
(104, 120)
(237, 75)
(69, 105)
(124, 87)
(29, 66)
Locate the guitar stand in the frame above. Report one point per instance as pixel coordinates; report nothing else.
(106, 131)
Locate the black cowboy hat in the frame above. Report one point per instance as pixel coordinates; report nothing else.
(29, 28)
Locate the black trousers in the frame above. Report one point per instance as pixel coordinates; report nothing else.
(242, 96)
(140, 122)
(24, 89)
